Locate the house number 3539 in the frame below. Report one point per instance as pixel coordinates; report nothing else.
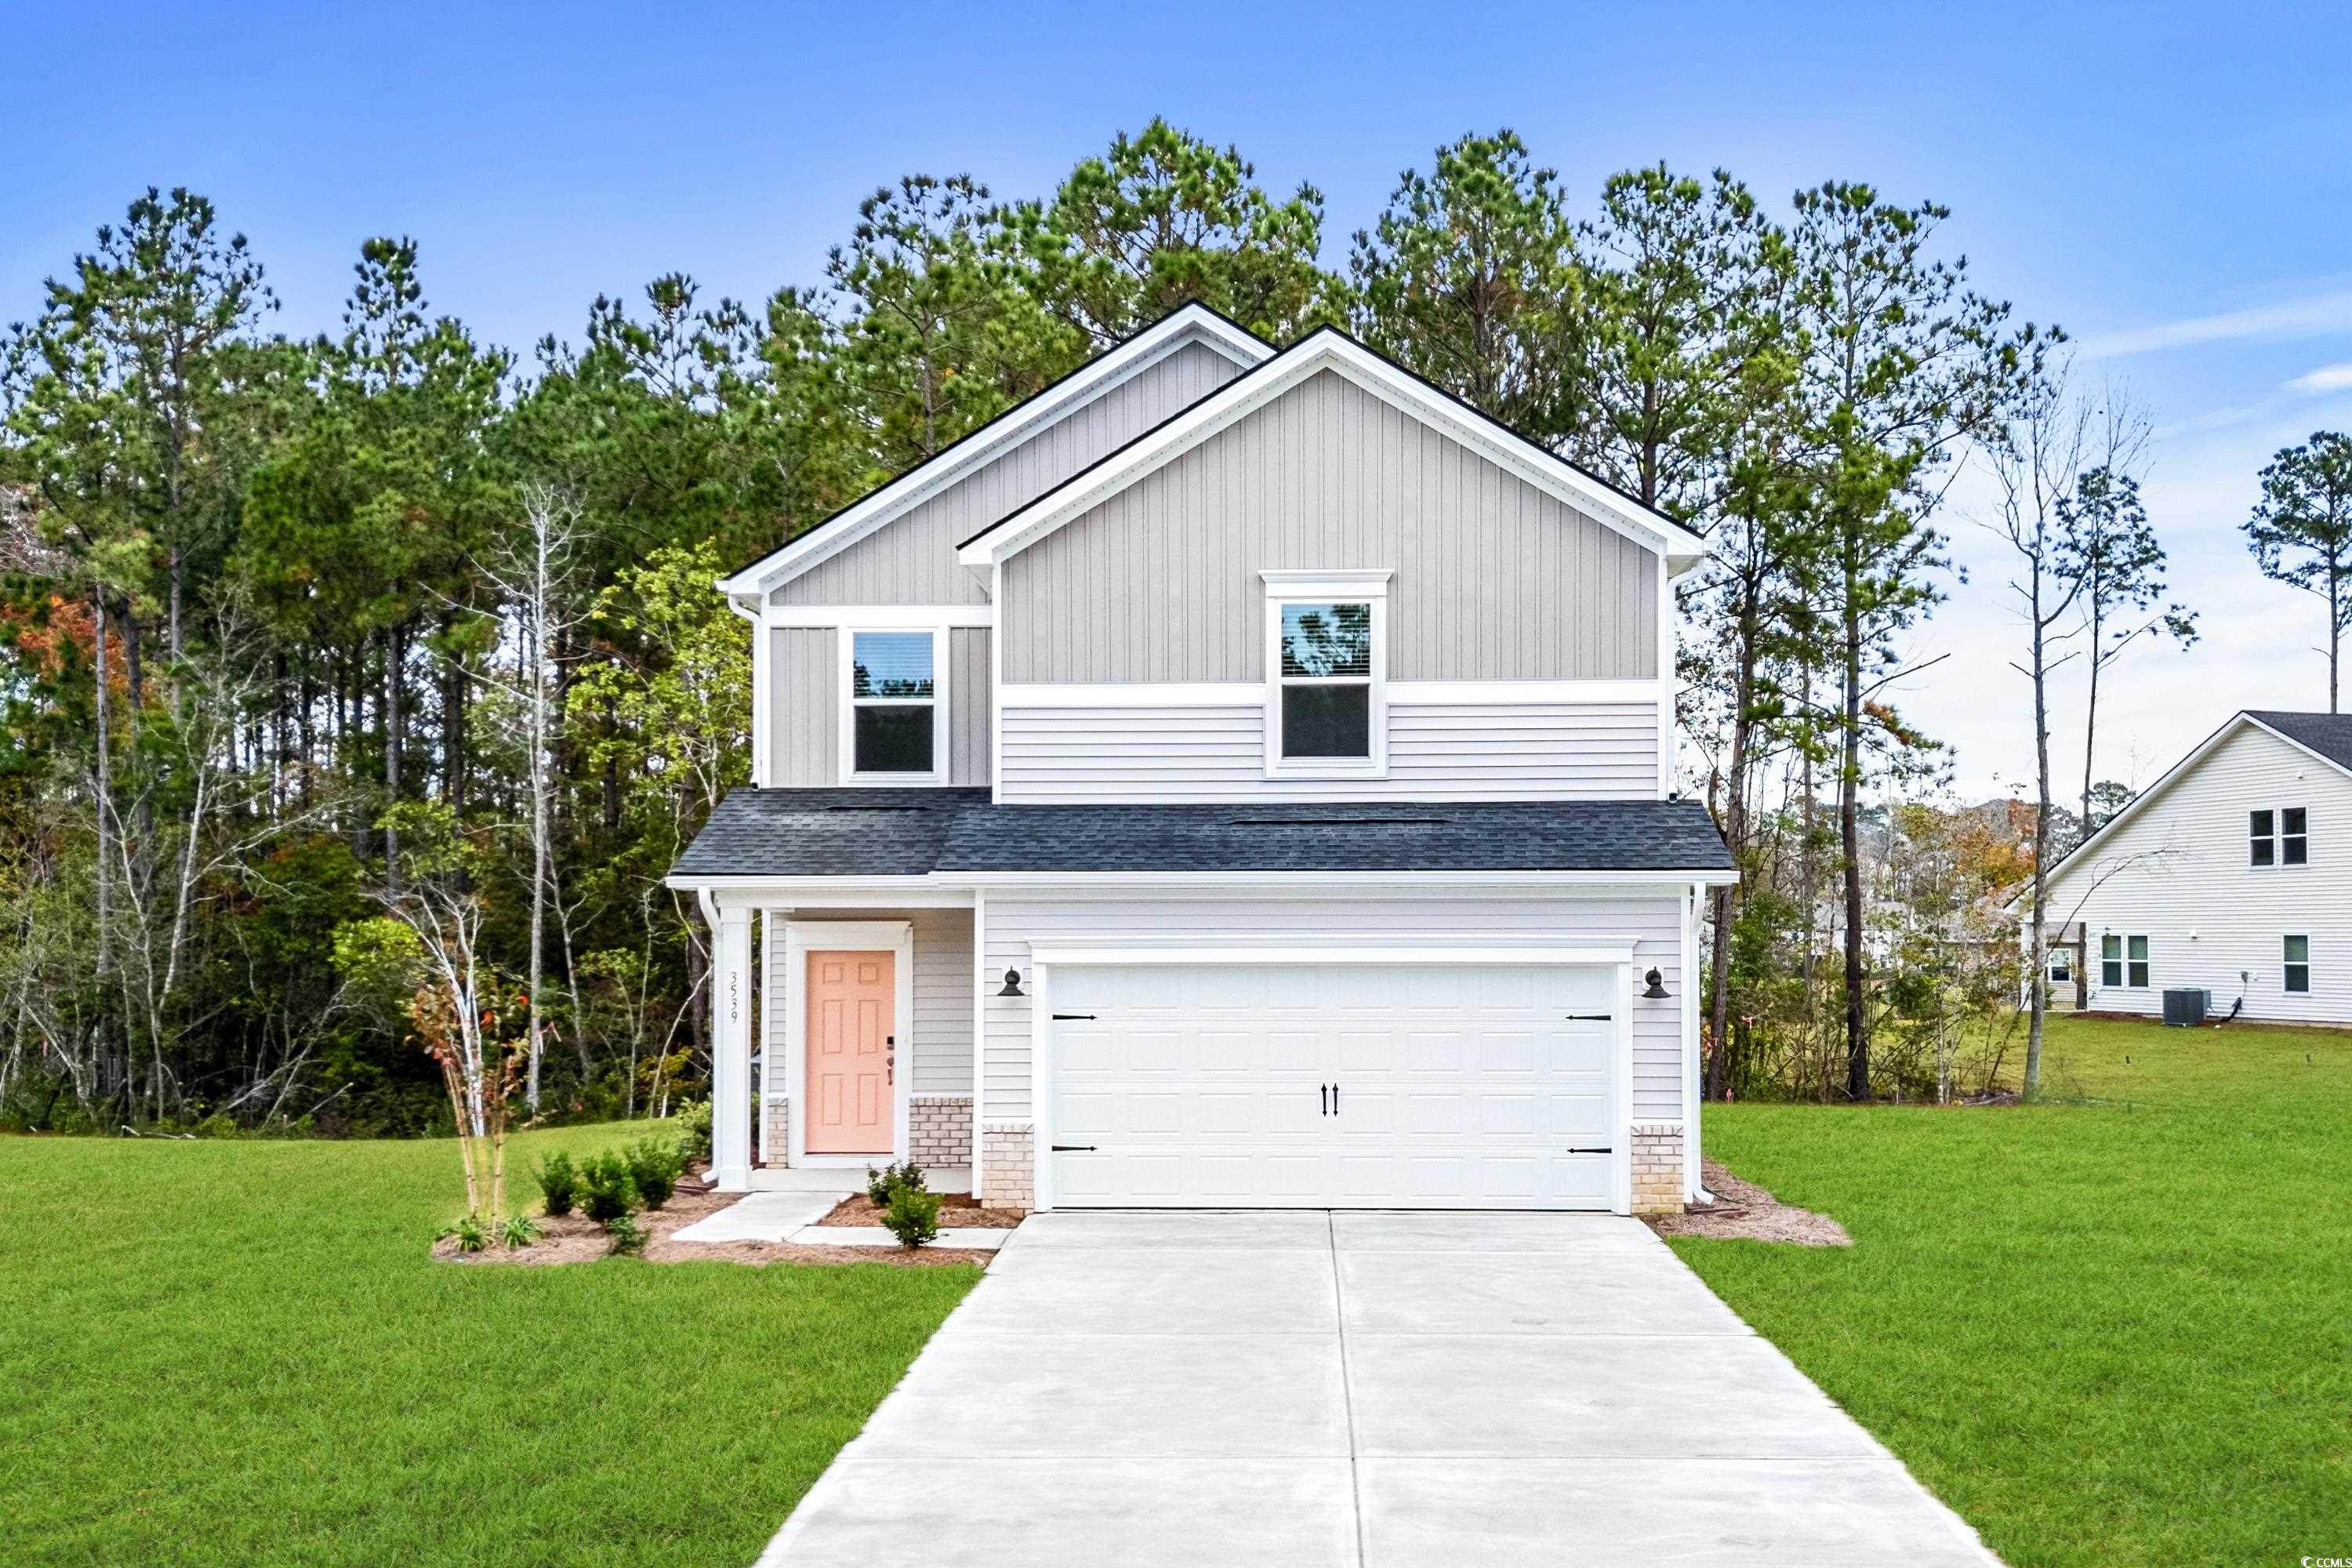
(734, 995)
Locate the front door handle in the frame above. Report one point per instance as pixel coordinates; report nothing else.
(890, 1059)
(1323, 1098)
(1335, 1099)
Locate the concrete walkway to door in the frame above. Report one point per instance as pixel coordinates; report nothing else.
(1389, 1390)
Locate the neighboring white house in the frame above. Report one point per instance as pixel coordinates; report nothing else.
(2232, 874)
(1235, 777)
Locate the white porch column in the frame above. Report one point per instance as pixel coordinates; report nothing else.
(730, 1050)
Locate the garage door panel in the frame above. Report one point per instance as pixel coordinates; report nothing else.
(1460, 1086)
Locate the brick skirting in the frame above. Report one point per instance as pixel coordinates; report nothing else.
(939, 1129)
(1657, 1168)
(1008, 1166)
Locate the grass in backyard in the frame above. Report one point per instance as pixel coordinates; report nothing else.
(240, 1352)
(2113, 1328)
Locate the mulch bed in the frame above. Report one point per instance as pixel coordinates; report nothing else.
(955, 1208)
(571, 1240)
(1744, 1210)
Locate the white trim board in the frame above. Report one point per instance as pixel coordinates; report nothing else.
(1252, 693)
(1188, 324)
(1329, 349)
(879, 618)
(802, 938)
(941, 890)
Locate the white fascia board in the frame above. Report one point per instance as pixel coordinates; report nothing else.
(1274, 884)
(1190, 324)
(925, 892)
(1334, 352)
(1303, 949)
(1252, 693)
(879, 618)
(2081, 854)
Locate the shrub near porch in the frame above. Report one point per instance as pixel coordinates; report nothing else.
(2111, 1328)
(241, 1352)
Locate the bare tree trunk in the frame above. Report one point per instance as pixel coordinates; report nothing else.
(393, 738)
(2038, 943)
(1857, 1022)
(102, 699)
(1726, 898)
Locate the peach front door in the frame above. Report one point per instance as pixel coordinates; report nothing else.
(852, 1091)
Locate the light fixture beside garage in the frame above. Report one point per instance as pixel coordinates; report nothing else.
(1657, 991)
(1012, 985)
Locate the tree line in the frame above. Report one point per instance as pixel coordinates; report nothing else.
(359, 687)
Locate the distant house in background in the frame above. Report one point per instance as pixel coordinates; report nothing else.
(2232, 874)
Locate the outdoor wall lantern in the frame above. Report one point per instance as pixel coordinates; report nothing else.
(1012, 985)
(1657, 991)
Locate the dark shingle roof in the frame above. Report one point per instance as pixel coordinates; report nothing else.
(867, 832)
(826, 833)
(2329, 734)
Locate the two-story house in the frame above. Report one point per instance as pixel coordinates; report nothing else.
(2227, 875)
(1233, 778)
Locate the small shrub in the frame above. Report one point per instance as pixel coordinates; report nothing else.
(607, 1191)
(472, 1233)
(694, 1131)
(629, 1237)
(559, 1182)
(880, 1186)
(913, 1216)
(219, 1124)
(655, 1164)
(518, 1230)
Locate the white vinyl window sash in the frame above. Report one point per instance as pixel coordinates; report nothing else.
(894, 706)
(1326, 674)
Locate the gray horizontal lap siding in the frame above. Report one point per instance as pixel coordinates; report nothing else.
(1016, 923)
(1580, 750)
(911, 559)
(1494, 579)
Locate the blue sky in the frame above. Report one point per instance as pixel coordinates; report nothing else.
(2169, 182)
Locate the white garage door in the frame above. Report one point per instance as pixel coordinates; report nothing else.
(1384, 1086)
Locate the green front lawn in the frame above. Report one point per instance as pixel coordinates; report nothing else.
(240, 1352)
(2115, 1329)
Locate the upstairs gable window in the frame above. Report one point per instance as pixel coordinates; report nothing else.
(2279, 837)
(895, 732)
(1327, 656)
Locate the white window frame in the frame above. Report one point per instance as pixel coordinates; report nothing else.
(1328, 587)
(2276, 839)
(846, 684)
(2124, 960)
(2287, 966)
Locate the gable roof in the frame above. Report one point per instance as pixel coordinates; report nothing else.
(2324, 736)
(1185, 325)
(1329, 349)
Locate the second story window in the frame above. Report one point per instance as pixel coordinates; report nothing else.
(1325, 647)
(2280, 838)
(894, 728)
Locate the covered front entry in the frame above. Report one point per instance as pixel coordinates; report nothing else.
(848, 1008)
(1479, 1080)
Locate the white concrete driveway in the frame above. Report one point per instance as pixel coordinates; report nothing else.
(1389, 1390)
